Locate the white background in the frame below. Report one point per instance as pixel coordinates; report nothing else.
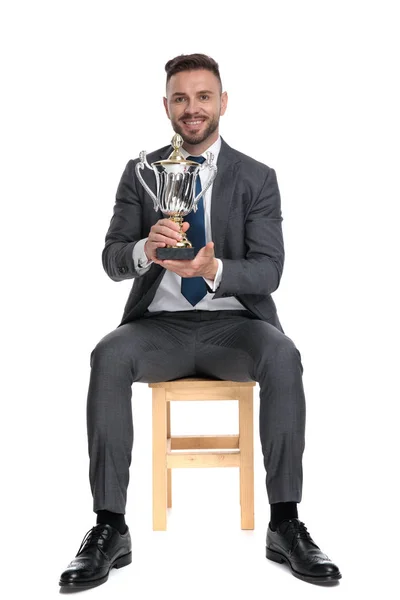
(313, 93)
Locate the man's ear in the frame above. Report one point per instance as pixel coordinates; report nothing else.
(166, 107)
(224, 102)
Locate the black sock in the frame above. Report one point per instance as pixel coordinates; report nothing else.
(116, 520)
(281, 511)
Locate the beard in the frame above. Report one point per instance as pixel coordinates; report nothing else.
(195, 138)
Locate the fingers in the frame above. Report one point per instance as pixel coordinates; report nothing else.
(167, 223)
(165, 237)
(207, 250)
(164, 233)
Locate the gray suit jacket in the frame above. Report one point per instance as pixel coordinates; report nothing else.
(246, 224)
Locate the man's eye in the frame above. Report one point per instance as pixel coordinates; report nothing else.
(204, 96)
(179, 99)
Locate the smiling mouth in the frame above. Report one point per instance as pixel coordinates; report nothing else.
(193, 122)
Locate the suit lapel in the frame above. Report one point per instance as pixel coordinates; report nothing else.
(222, 193)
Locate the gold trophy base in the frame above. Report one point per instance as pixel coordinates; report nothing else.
(183, 250)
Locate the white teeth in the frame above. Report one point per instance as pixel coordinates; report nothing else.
(193, 122)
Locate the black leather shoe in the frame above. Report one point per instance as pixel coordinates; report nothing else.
(102, 548)
(291, 543)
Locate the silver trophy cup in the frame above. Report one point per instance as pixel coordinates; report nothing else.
(176, 192)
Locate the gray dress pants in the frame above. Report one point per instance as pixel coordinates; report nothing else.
(226, 344)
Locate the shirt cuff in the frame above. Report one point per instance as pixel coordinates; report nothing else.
(218, 276)
(140, 260)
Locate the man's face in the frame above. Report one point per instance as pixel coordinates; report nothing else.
(194, 104)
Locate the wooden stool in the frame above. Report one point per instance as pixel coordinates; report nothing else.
(164, 459)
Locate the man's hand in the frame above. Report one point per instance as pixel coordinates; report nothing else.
(164, 232)
(203, 265)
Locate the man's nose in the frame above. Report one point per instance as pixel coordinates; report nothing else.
(192, 105)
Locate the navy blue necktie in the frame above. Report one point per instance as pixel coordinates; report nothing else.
(194, 288)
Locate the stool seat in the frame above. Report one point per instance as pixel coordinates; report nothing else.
(203, 450)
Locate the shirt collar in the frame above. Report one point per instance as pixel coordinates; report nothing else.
(214, 149)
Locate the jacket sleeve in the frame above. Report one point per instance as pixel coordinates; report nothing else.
(261, 270)
(125, 229)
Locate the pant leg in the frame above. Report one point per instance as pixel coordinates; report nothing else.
(243, 349)
(145, 350)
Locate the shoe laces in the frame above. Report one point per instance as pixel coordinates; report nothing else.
(299, 531)
(92, 537)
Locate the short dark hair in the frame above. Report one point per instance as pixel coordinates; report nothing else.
(192, 62)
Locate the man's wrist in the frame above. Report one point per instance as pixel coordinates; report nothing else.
(140, 258)
(216, 280)
(211, 273)
(144, 250)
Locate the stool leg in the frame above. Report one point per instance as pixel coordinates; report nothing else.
(159, 460)
(246, 446)
(169, 471)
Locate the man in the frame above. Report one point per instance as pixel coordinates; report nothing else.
(212, 316)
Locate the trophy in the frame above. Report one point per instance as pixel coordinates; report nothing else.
(176, 189)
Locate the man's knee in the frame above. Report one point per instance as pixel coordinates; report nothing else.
(276, 348)
(285, 346)
(110, 350)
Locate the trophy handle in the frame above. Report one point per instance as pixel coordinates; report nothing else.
(140, 166)
(207, 164)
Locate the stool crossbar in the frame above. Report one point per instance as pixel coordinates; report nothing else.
(240, 446)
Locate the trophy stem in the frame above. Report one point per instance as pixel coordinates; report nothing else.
(184, 242)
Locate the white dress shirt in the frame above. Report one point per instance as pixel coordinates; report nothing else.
(168, 295)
